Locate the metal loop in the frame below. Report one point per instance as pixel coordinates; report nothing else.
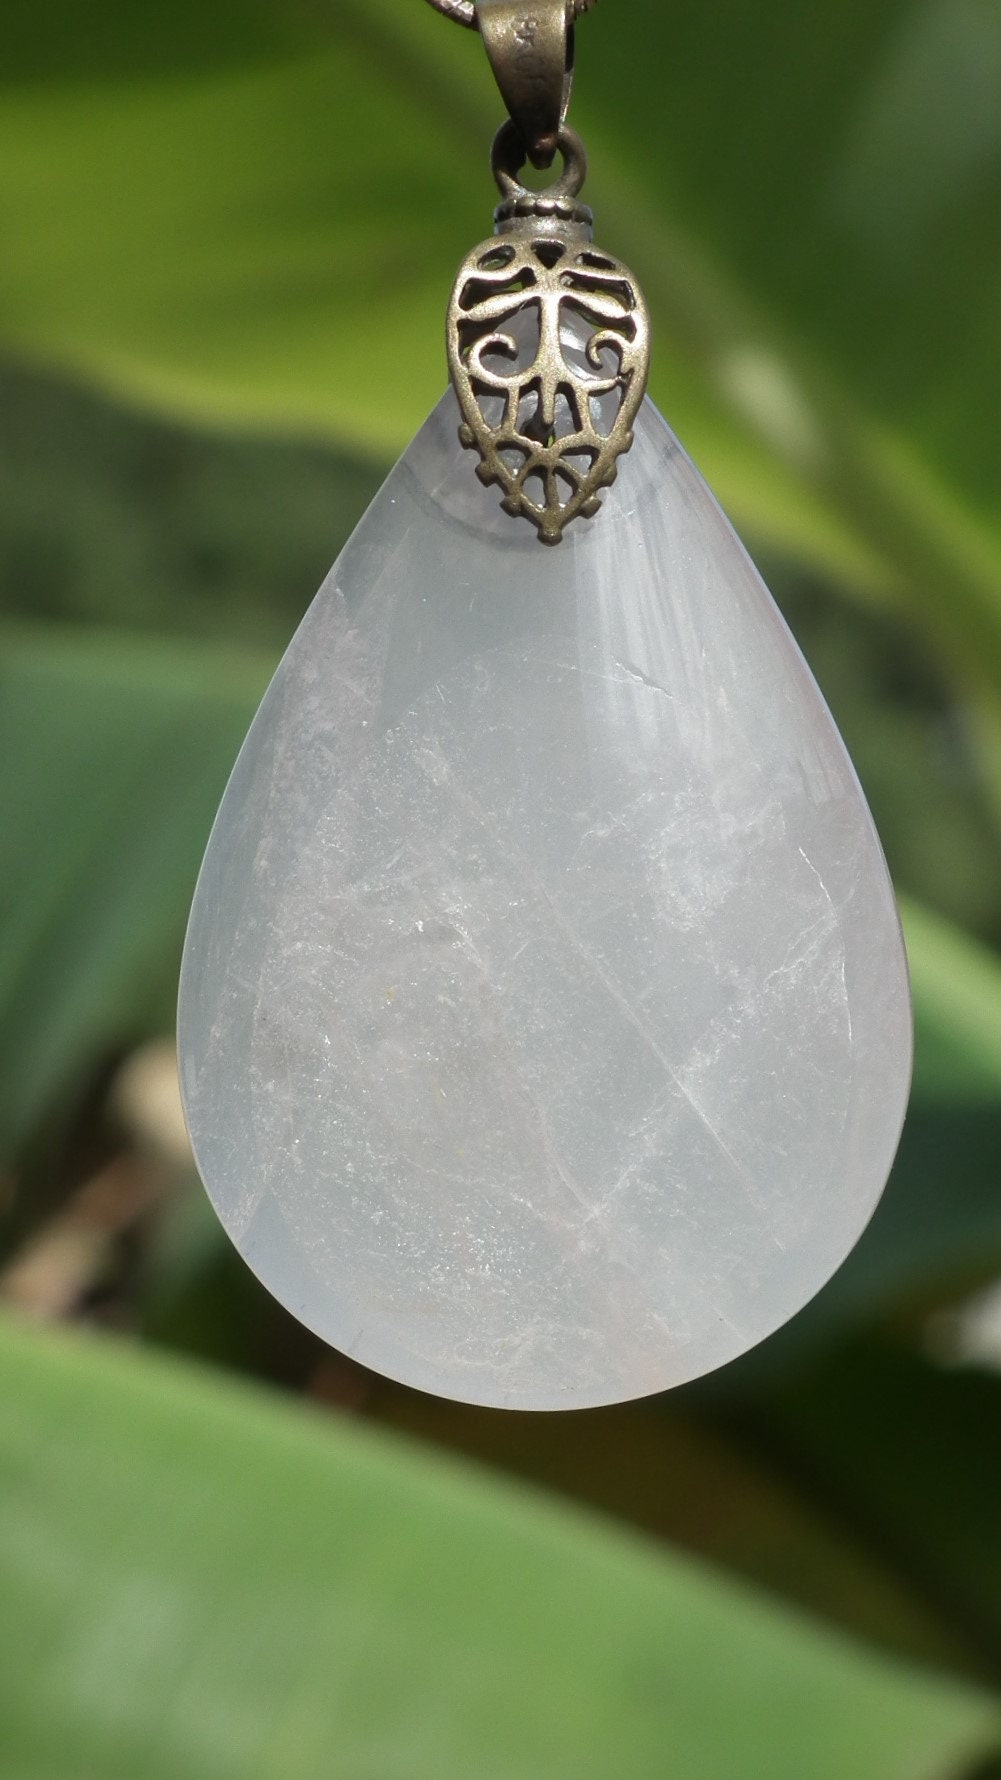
(509, 154)
(464, 12)
(529, 44)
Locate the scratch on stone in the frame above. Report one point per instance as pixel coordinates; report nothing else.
(639, 678)
(830, 903)
(633, 675)
(810, 865)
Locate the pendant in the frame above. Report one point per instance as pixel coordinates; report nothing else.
(544, 1019)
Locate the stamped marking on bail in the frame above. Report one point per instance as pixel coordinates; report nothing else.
(527, 58)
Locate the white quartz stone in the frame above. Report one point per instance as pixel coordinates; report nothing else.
(545, 1029)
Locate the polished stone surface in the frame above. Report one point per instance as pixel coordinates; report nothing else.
(545, 1030)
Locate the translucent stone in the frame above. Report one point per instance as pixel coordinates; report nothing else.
(545, 1030)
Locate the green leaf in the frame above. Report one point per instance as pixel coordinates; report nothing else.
(199, 1581)
(116, 753)
(270, 235)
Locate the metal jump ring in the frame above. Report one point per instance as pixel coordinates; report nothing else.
(509, 154)
(464, 11)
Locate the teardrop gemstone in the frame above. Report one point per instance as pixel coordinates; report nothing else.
(544, 1022)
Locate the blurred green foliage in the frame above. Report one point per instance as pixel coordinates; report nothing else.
(212, 215)
(259, 1595)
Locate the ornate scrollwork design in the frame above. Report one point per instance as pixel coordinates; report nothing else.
(548, 347)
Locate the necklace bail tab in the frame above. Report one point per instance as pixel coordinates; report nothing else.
(530, 44)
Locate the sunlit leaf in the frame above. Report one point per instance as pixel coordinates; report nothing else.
(198, 1581)
(807, 196)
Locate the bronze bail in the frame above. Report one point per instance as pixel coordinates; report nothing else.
(530, 46)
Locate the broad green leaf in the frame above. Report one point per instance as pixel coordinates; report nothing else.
(200, 1581)
(115, 755)
(807, 195)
